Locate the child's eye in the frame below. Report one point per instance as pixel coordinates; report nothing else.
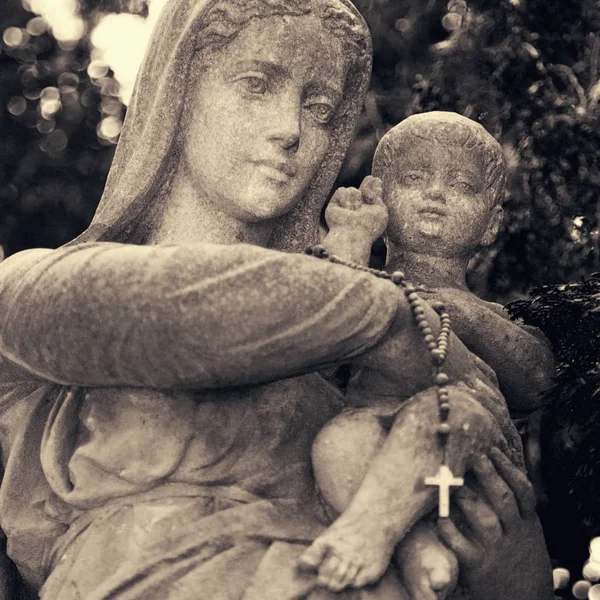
(412, 177)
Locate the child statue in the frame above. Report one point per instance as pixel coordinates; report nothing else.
(439, 177)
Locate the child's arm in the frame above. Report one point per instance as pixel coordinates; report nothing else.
(356, 218)
(520, 356)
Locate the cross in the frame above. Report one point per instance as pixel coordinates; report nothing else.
(444, 480)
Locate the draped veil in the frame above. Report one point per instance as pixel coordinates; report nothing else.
(147, 143)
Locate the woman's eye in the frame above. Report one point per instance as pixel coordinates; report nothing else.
(463, 186)
(323, 113)
(254, 85)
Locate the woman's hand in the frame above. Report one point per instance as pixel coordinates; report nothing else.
(497, 536)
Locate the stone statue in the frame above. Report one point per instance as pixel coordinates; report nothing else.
(159, 384)
(443, 181)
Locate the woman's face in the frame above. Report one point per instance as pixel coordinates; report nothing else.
(259, 124)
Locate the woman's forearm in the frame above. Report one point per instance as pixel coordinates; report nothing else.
(184, 316)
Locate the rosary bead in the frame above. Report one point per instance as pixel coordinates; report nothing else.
(413, 297)
(444, 410)
(438, 356)
(441, 379)
(421, 318)
(397, 277)
(428, 339)
(418, 310)
(432, 345)
(444, 429)
(409, 288)
(320, 251)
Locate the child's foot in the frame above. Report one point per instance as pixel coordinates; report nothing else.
(354, 552)
(428, 569)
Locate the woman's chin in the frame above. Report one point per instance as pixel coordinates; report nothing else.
(265, 209)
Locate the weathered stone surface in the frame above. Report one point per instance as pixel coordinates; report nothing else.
(159, 386)
(442, 181)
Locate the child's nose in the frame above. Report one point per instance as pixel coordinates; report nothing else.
(436, 192)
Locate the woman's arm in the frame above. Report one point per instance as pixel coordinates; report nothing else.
(197, 315)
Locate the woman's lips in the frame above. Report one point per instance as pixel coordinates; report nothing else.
(278, 171)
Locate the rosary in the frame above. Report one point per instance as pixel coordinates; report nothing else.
(444, 479)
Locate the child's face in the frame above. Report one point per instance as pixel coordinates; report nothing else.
(437, 199)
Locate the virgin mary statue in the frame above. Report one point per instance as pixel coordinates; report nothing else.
(158, 384)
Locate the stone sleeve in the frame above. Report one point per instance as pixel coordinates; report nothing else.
(199, 315)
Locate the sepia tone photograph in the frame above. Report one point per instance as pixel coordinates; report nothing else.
(300, 299)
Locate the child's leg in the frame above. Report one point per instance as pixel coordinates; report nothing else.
(392, 496)
(342, 454)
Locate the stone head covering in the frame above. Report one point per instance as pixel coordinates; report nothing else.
(146, 147)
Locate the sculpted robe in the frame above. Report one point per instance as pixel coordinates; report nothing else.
(154, 419)
(200, 481)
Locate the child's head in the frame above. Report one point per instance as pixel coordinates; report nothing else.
(443, 183)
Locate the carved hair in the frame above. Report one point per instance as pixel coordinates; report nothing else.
(225, 19)
(447, 129)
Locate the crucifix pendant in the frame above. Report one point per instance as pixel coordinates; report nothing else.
(444, 480)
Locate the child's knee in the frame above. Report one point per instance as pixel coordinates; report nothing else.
(471, 422)
(342, 454)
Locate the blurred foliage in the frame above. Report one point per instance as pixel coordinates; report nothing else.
(526, 69)
(53, 165)
(569, 315)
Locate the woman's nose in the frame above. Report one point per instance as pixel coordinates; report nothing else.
(286, 127)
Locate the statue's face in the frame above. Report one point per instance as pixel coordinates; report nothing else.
(437, 199)
(259, 123)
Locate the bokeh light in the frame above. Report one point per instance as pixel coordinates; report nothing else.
(17, 105)
(54, 142)
(591, 571)
(110, 128)
(580, 589)
(97, 69)
(37, 26)
(61, 17)
(595, 549)
(561, 578)
(14, 37)
(594, 593)
(120, 42)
